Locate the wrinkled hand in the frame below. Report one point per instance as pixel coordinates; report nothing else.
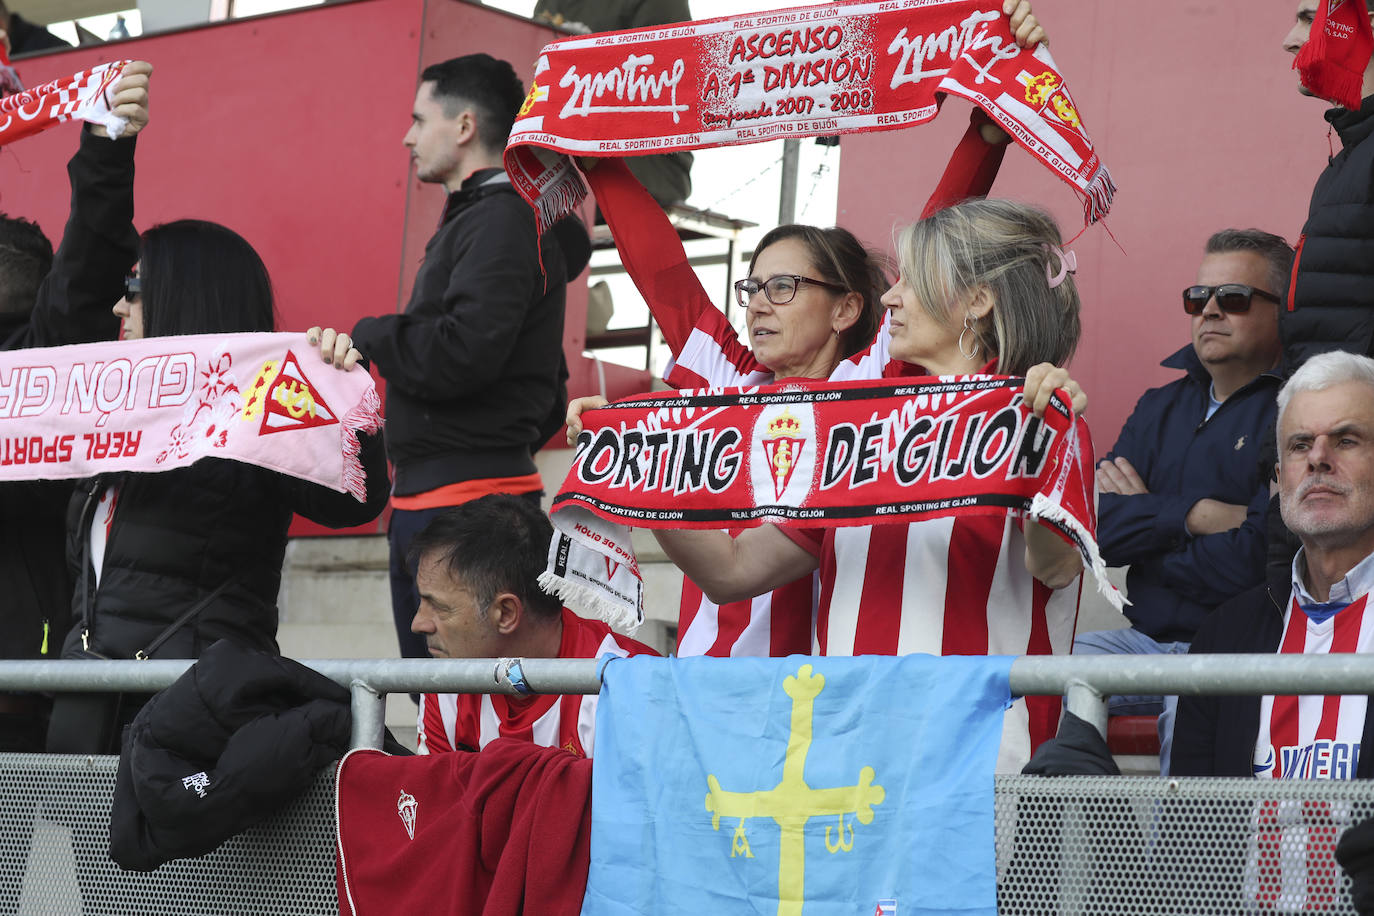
(1041, 382)
(336, 347)
(575, 408)
(130, 98)
(1120, 477)
(1024, 25)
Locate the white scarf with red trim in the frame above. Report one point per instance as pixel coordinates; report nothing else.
(811, 455)
(165, 402)
(810, 71)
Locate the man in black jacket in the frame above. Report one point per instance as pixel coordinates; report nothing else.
(1332, 299)
(48, 301)
(1326, 495)
(474, 364)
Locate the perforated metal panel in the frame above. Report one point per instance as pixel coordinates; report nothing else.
(54, 837)
(1125, 845)
(1065, 845)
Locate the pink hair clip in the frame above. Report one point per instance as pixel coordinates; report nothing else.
(1068, 264)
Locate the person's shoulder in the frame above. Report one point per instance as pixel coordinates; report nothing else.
(1245, 623)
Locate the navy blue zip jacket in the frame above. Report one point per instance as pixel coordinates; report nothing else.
(1176, 579)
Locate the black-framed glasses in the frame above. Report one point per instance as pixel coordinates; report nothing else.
(133, 287)
(1231, 297)
(778, 290)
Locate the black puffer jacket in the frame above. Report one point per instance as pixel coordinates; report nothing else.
(233, 740)
(1333, 289)
(178, 535)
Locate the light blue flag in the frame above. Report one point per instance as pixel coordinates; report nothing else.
(794, 786)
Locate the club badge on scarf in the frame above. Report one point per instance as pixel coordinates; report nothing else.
(165, 402)
(1338, 48)
(810, 71)
(85, 96)
(796, 786)
(811, 456)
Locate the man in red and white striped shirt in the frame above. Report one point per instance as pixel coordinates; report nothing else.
(477, 568)
(1326, 495)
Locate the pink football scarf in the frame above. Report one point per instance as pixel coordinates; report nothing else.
(1333, 61)
(164, 402)
(810, 71)
(811, 455)
(85, 95)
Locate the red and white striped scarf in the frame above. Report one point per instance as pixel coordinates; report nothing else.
(810, 71)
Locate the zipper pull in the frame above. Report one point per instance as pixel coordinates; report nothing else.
(43, 649)
(85, 640)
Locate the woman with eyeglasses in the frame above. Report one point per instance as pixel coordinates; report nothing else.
(984, 288)
(148, 548)
(812, 309)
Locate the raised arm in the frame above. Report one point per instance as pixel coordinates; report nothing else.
(657, 263)
(99, 244)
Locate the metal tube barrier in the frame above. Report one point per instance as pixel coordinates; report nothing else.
(1085, 679)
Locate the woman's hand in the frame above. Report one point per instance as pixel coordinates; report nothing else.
(1024, 26)
(129, 99)
(336, 347)
(1041, 382)
(575, 408)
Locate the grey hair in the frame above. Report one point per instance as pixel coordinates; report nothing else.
(1002, 247)
(1325, 370)
(1277, 253)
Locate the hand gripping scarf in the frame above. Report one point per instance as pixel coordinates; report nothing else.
(164, 402)
(810, 71)
(809, 456)
(85, 95)
(1338, 48)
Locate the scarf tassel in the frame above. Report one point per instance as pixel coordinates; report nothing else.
(363, 417)
(562, 198)
(588, 602)
(1046, 509)
(1098, 195)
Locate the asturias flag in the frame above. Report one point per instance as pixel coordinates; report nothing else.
(796, 786)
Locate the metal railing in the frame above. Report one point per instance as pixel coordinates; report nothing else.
(1084, 680)
(1125, 845)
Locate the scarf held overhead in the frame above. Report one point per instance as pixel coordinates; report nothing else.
(810, 71)
(85, 95)
(165, 402)
(811, 456)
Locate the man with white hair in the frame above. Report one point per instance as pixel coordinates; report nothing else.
(1326, 495)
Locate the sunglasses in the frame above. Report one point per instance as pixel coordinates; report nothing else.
(133, 287)
(1231, 297)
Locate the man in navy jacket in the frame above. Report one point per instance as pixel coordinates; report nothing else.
(1183, 492)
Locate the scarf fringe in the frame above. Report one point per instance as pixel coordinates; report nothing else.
(1098, 196)
(1335, 84)
(1042, 507)
(588, 603)
(363, 417)
(563, 197)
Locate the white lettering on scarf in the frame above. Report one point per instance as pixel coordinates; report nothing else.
(165, 381)
(954, 42)
(629, 82)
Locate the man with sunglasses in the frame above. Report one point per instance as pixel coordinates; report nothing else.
(1183, 493)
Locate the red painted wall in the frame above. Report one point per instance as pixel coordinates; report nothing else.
(1194, 109)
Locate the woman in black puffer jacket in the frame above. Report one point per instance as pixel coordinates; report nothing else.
(145, 549)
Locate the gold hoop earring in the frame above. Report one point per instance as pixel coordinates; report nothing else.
(969, 325)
